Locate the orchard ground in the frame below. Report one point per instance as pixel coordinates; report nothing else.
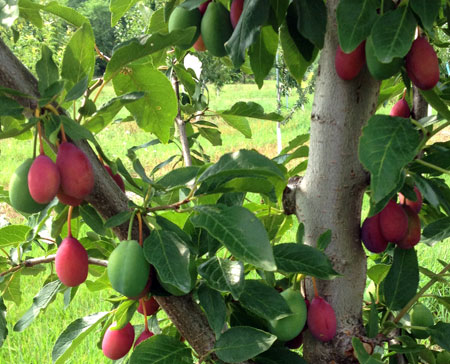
(35, 346)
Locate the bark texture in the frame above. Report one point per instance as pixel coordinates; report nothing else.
(109, 200)
(330, 194)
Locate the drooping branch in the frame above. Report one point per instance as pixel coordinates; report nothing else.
(109, 200)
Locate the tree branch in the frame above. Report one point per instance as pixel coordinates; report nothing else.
(109, 200)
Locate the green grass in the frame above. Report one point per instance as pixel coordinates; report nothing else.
(34, 345)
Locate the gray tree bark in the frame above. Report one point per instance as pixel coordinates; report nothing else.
(330, 194)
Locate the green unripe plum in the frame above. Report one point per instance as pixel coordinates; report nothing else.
(182, 18)
(421, 316)
(128, 270)
(19, 194)
(380, 71)
(443, 357)
(289, 327)
(117, 343)
(216, 29)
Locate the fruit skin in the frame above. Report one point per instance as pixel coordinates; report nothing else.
(19, 194)
(421, 316)
(117, 343)
(77, 176)
(151, 306)
(199, 45)
(182, 18)
(202, 8)
(216, 29)
(422, 64)
(393, 222)
(71, 262)
(43, 179)
(371, 235)
(401, 109)
(380, 71)
(287, 328)
(116, 177)
(348, 65)
(144, 336)
(296, 342)
(235, 11)
(128, 270)
(415, 205)
(321, 319)
(68, 200)
(413, 233)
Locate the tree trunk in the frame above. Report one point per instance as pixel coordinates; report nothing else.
(330, 194)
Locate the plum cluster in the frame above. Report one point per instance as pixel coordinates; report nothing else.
(214, 25)
(421, 63)
(397, 223)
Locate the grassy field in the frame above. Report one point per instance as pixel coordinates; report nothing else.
(34, 345)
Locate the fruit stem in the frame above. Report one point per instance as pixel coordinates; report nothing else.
(420, 293)
(41, 146)
(130, 225)
(316, 292)
(69, 221)
(432, 166)
(404, 94)
(145, 313)
(141, 240)
(99, 91)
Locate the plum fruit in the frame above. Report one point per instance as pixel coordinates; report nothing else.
(348, 65)
(235, 11)
(144, 336)
(216, 28)
(422, 64)
(182, 18)
(71, 262)
(421, 316)
(43, 179)
(371, 235)
(116, 177)
(117, 343)
(151, 306)
(401, 109)
(77, 176)
(321, 319)
(415, 205)
(287, 328)
(393, 222)
(412, 236)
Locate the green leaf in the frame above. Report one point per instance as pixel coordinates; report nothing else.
(75, 130)
(427, 11)
(44, 297)
(254, 15)
(3, 323)
(168, 253)
(9, 12)
(77, 90)
(124, 313)
(393, 33)
(156, 111)
(355, 19)
(10, 288)
(313, 30)
(10, 107)
(436, 102)
(68, 14)
(437, 231)
(299, 258)
(119, 219)
(262, 54)
(363, 356)
(239, 123)
(118, 9)
(92, 218)
(73, 335)
(264, 301)
(279, 7)
(30, 12)
(138, 48)
(161, 349)
(241, 343)
(372, 325)
(212, 135)
(79, 56)
(402, 281)
(214, 306)
(386, 146)
(191, 4)
(440, 334)
(296, 142)
(46, 69)
(179, 177)
(105, 115)
(13, 234)
(251, 110)
(295, 62)
(278, 355)
(185, 78)
(324, 240)
(378, 272)
(240, 231)
(224, 275)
